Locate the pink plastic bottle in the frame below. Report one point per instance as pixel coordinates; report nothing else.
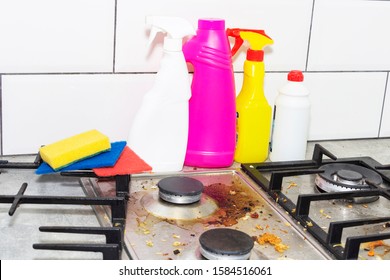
(212, 107)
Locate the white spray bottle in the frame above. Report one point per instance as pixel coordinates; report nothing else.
(159, 132)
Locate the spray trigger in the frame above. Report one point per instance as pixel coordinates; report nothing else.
(153, 33)
(256, 38)
(238, 41)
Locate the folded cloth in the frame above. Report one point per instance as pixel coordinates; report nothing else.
(128, 163)
(105, 159)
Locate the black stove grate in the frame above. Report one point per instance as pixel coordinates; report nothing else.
(114, 235)
(300, 210)
(111, 249)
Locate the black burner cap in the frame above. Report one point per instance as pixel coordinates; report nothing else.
(181, 186)
(349, 175)
(225, 241)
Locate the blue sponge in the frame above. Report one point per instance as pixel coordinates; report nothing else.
(105, 159)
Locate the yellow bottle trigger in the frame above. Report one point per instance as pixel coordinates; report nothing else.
(257, 39)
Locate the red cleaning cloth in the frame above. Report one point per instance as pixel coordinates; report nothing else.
(128, 163)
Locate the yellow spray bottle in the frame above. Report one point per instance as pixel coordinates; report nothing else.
(254, 113)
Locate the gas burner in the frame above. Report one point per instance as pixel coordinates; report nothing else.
(180, 190)
(347, 177)
(225, 244)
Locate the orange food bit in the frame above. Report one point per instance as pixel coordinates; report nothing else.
(273, 240)
(372, 245)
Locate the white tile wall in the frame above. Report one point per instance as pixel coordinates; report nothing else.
(345, 105)
(350, 35)
(41, 109)
(71, 65)
(286, 21)
(56, 36)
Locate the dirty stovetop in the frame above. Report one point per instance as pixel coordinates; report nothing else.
(159, 230)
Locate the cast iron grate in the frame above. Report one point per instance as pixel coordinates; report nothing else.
(300, 209)
(112, 249)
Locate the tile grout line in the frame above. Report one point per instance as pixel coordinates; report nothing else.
(154, 72)
(71, 73)
(114, 46)
(383, 104)
(1, 115)
(309, 39)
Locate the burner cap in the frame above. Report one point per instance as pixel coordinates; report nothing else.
(349, 175)
(225, 244)
(180, 190)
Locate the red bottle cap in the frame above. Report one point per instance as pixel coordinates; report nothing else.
(295, 76)
(255, 55)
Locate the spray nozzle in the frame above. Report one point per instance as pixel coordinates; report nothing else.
(176, 28)
(257, 40)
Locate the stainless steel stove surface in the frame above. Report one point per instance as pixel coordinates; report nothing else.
(156, 229)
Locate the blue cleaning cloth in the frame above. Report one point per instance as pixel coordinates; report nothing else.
(105, 159)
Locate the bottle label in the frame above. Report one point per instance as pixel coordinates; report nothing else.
(272, 129)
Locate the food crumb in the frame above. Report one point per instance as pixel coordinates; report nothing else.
(254, 215)
(149, 243)
(177, 244)
(246, 217)
(272, 239)
(370, 247)
(324, 214)
(259, 227)
(292, 184)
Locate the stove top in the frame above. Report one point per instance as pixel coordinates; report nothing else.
(352, 221)
(20, 231)
(309, 209)
(229, 200)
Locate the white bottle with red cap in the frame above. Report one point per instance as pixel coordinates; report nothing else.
(291, 120)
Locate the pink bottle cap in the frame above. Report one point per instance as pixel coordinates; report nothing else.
(211, 24)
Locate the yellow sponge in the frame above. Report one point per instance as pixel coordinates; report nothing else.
(75, 148)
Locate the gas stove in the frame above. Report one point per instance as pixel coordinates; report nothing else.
(343, 203)
(313, 209)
